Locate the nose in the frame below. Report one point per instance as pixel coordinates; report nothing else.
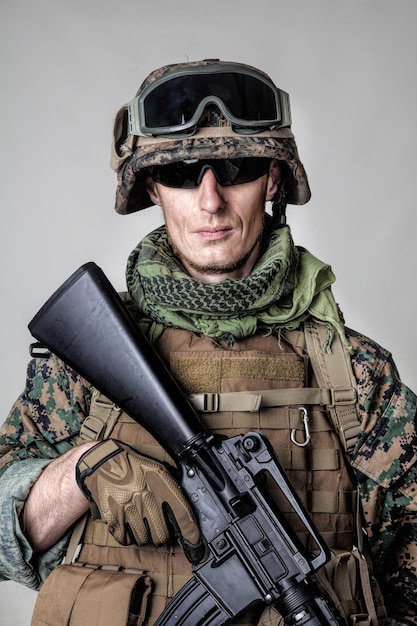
(211, 197)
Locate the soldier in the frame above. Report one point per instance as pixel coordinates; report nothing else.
(232, 305)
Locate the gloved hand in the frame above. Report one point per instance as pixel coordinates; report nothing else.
(138, 497)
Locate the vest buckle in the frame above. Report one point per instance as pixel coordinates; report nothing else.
(211, 402)
(342, 395)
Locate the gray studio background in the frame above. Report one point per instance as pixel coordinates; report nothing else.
(67, 66)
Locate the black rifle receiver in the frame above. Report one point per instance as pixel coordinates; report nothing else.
(254, 555)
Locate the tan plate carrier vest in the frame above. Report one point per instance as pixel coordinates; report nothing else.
(305, 402)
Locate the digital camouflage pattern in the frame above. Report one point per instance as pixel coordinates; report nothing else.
(131, 155)
(42, 425)
(47, 416)
(385, 465)
(45, 422)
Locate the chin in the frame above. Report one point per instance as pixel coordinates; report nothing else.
(218, 266)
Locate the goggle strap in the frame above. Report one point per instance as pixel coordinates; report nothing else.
(218, 131)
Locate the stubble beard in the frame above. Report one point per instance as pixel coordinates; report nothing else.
(219, 267)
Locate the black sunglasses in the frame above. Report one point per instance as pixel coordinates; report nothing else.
(228, 172)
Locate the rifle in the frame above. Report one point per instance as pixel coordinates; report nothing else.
(254, 555)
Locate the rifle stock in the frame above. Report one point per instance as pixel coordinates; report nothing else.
(86, 324)
(254, 556)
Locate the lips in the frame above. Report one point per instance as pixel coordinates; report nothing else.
(213, 233)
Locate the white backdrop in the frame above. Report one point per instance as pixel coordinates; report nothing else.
(67, 66)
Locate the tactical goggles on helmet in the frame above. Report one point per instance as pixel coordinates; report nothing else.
(228, 172)
(174, 103)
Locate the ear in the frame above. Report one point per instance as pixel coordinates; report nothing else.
(274, 179)
(152, 189)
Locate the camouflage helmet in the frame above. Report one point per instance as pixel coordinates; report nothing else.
(213, 137)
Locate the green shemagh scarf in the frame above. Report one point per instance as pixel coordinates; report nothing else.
(287, 285)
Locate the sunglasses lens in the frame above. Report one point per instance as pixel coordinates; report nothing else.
(228, 172)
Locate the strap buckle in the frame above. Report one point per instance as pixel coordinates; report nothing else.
(92, 428)
(342, 395)
(211, 402)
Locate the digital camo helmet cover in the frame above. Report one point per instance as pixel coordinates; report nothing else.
(132, 154)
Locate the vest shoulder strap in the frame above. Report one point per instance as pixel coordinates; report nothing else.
(100, 421)
(333, 371)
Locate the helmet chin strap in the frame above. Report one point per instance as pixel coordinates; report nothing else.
(279, 206)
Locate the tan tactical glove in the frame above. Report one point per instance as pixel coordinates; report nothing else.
(138, 497)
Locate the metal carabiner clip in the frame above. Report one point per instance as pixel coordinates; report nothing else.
(307, 437)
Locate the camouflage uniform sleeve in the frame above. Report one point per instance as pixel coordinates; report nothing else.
(385, 462)
(43, 424)
(17, 561)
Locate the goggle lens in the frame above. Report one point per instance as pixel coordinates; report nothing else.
(228, 172)
(174, 105)
(176, 101)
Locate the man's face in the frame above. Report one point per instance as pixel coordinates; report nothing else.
(216, 231)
